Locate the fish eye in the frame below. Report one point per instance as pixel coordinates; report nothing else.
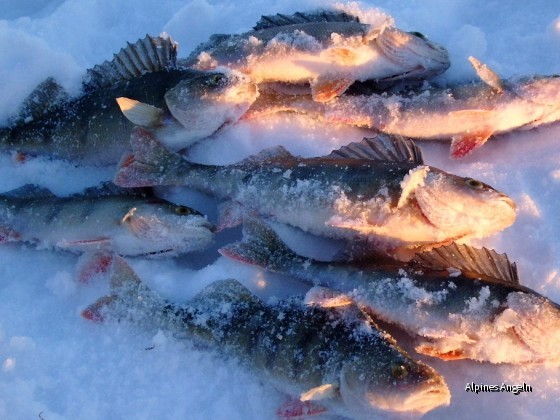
(216, 79)
(399, 371)
(183, 210)
(418, 34)
(474, 184)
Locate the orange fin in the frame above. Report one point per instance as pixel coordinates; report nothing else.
(327, 298)
(95, 311)
(92, 266)
(324, 89)
(341, 55)
(299, 409)
(434, 352)
(8, 235)
(464, 144)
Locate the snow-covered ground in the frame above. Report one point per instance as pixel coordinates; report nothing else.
(56, 365)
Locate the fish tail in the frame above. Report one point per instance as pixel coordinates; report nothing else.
(126, 288)
(149, 164)
(261, 246)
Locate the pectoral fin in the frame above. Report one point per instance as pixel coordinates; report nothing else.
(324, 89)
(341, 55)
(140, 113)
(429, 350)
(326, 298)
(299, 409)
(319, 393)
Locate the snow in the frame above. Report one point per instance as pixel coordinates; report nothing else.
(56, 365)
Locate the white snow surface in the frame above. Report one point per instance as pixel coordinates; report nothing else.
(56, 365)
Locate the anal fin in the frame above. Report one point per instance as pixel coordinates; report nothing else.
(293, 409)
(462, 145)
(325, 89)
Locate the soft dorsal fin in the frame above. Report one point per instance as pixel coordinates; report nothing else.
(147, 55)
(109, 189)
(266, 22)
(28, 191)
(484, 262)
(382, 148)
(487, 75)
(46, 96)
(268, 155)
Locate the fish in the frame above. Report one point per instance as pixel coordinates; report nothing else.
(328, 50)
(467, 115)
(102, 219)
(338, 359)
(142, 85)
(456, 301)
(378, 190)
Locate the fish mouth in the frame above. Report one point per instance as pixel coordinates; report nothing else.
(508, 201)
(419, 401)
(432, 396)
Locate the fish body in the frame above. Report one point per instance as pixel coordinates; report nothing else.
(467, 114)
(307, 352)
(92, 129)
(327, 50)
(102, 219)
(466, 303)
(378, 189)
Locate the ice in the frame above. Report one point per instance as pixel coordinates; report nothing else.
(79, 370)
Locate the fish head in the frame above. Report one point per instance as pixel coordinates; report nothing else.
(419, 56)
(210, 100)
(533, 323)
(461, 207)
(397, 384)
(157, 227)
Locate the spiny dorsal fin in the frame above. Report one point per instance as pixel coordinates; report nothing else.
(109, 189)
(487, 75)
(46, 96)
(28, 191)
(266, 22)
(268, 155)
(147, 55)
(382, 148)
(483, 262)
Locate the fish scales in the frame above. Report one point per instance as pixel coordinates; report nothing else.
(295, 347)
(375, 189)
(460, 315)
(126, 224)
(90, 128)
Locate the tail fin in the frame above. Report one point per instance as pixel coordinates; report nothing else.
(126, 287)
(261, 246)
(150, 164)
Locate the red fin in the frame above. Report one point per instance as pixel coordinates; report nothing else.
(341, 55)
(230, 214)
(324, 90)
(296, 409)
(95, 311)
(462, 145)
(434, 352)
(20, 157)
(8, 235)
(92, 266)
